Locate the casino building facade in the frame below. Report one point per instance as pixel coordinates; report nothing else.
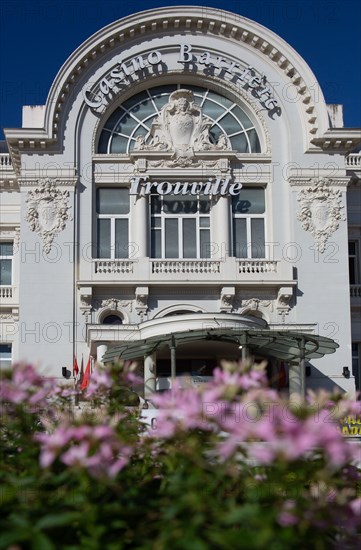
(184, 196)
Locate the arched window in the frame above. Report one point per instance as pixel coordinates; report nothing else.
(135, 116)
(112, 320)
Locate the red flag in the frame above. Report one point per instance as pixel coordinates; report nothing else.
(75, 367)
(86, 377)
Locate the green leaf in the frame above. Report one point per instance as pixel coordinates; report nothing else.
(57, 520)
(41, 542)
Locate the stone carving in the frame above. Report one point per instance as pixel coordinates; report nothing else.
(48, 211)
(184, 162)
(256, 303)
(181, 129)
(227, 297)
(141, 300)
(283, 301)
(320, 211)
(113, 304)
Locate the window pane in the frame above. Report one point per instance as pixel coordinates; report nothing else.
(205, 243)
(212, 109)
(219, 99)
(254, 141)
(113, 201)
(171, 239)
(352, 248)
(126, 124)
(249, 201)
(239, 238)
(156, 249)
(103, 250)
(189, 238)
(118, 144)
(121, 239)
(242, 117)
(6, 249)
(204, 222)
(258, 244)
(156, 204)
(229, 123)
(5, 272)
(239, 143)
(352, 271)
(174, 204)
(204, 205)
(5, 355)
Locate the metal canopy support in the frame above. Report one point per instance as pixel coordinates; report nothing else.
(150, 374)
(297, 384)
(173, 362)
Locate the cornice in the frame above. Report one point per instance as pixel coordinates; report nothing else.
(59, 182)
(312, 182)
(340, 140)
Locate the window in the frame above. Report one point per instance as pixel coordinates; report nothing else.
(248, 209)
(112, 208)
(5, 356)
(112, 320)
(6, 255)
(180, 226)
(353, 262)
(356, 364)
(135, 116)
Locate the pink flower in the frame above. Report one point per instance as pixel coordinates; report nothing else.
(76, 455)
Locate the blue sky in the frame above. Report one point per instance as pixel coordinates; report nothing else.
(37, 36)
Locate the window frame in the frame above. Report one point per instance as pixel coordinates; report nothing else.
(355, 272)
(112, 218)
(10, 258)
(164, 216)
(3, 362)
(248, 217)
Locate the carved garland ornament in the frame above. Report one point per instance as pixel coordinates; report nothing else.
(320, 211)
(48, 211)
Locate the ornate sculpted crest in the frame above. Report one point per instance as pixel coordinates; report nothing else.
(181, 128)
(320, 211)
(48, 209)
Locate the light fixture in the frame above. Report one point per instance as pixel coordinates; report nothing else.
(346, 372)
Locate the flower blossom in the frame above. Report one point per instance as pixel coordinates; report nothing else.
(95, 448)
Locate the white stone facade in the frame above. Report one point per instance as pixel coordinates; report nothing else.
(173, 182)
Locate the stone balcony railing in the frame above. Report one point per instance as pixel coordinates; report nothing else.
(355, 291)
(173, 267)
(109, 267)
(6, 292)
(353, 161)
(150, 270)
(5, 161)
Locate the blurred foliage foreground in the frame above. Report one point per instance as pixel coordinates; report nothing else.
(229, 465)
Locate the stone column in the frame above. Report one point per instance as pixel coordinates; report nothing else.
(220, 226)
(101, 349)
(150, 374)
(139, 221)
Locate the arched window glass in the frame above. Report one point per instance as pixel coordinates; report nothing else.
(135, 116)
(112, 320)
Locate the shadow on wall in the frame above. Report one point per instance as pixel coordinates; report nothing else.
(318, 380)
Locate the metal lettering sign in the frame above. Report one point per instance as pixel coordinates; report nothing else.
(126, 72)
(213, 186)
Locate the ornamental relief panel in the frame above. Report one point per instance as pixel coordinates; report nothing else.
(320, 211)
(47, 211)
